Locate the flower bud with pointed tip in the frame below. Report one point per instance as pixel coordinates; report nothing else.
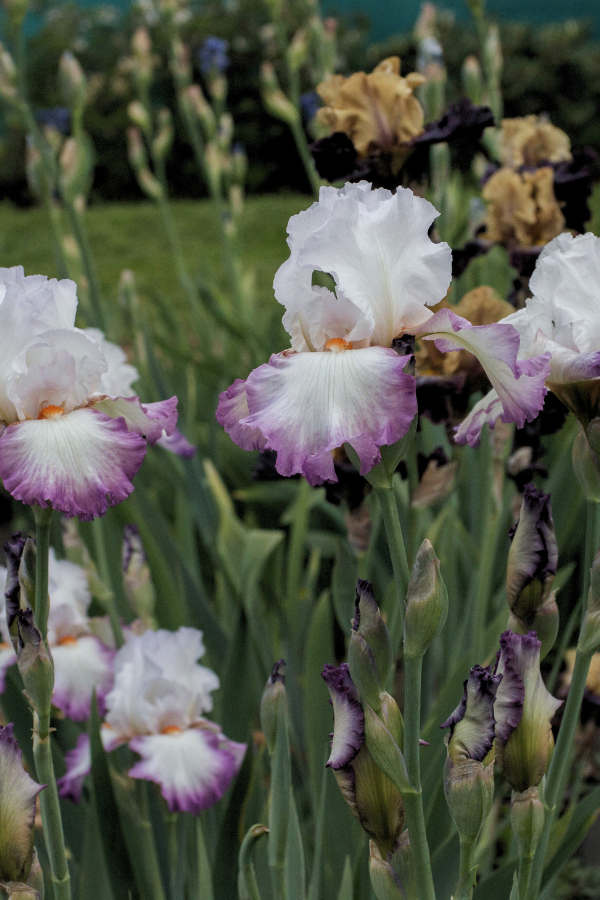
(372, 797)
(73, 84)
(468, 781)
(532, 563)
(385, 881)
(163, 139)
(274, 99)
(545, 623)
(13, 549)
(273, 695)
(17, 811)
(34, 662)
(370, 647)
(523, 749)
(426, 602)
(527, 820)
(138, 115)
(472, 80)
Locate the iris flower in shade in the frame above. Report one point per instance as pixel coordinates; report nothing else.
(17, 811)
(66, 440)
(156, 706)
(82, 662)
(342, 382)
(561, 321)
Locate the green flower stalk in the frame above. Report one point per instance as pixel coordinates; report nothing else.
(527, 820)
(532, 563)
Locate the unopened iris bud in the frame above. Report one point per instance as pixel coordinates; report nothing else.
(532, 563)
(17, 811)
(527, 820)
(372, 797)
(225, 131)
(34, 662)
(524, 710)
(384, 879)
(472, 81)
(589, 637)
(370, 648)
(273, 695)
(273, 97)
(76, 163)
(163, 139)
(469, 771)
(8, 77)
(139, 116)
(426, 602)
(143, 61)
(298, 50)
(239, 165)
(201, 108)
(73, 85)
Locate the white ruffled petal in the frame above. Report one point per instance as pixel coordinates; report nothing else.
(81, 665)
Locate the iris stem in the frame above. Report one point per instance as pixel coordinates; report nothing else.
(467, 859)
(413, 803)
(561, 758)
(42, 751)
(525, 868)
(395, 539)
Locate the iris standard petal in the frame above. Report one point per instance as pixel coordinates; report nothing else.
(80, 463)
(307, 404)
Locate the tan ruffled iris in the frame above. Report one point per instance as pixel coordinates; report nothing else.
(481, 306)
(377, 111)
(522, 208)
(531, 141)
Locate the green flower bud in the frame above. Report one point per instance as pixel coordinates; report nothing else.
(527, 820)
(402, 862)
(143, 60)
(8, 78)
(163, 139)
(76, 166)
(73, 85)
(472, 80)
(273, 695)
(469, 789)
(370, 648)
(384, 879)
(34, 662)
(298, 50)
(589, 637)
(139, 116)
(274, 99)
(17, 811)
(426, 602)
(201, 109)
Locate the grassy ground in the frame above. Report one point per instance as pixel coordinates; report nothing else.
(131, 236)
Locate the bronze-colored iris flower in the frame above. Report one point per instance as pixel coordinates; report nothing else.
(532, 141)
(378, 112)
(522, 208)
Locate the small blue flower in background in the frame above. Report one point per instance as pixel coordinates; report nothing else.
(310, 102)
(212, 56)
(58, 117)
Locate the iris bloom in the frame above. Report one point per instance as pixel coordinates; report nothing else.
(82, 662)
(342, 381)
(156, 706)
(532, 141)
(67, 438)
(560, 321)
(522, 208)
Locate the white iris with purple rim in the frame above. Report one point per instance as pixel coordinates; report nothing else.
(561, 320)
(67, 437)
(341, 381)
(157, 707)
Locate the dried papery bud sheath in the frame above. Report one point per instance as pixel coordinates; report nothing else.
(469, 773)
(533, 556)
(372, 797)
(426, 602)
(273, 695)
(527, 820)
(370, 648)
(523, 751)
(589, 637)
(385, 881)
(17, 811)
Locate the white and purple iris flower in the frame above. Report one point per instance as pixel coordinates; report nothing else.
(561, 320)
(70, 436)
(157, 707)
(82, 662)
(342, 381)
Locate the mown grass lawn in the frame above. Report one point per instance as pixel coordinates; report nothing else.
(131, 236)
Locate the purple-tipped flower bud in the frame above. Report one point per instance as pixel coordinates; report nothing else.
(532, 563)
(523, 749)
(17, 811)
(370, 647)
(527, 820)
(370, 794)
(273, 695)
(426, 602)
(468, 781)
(589, 637)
